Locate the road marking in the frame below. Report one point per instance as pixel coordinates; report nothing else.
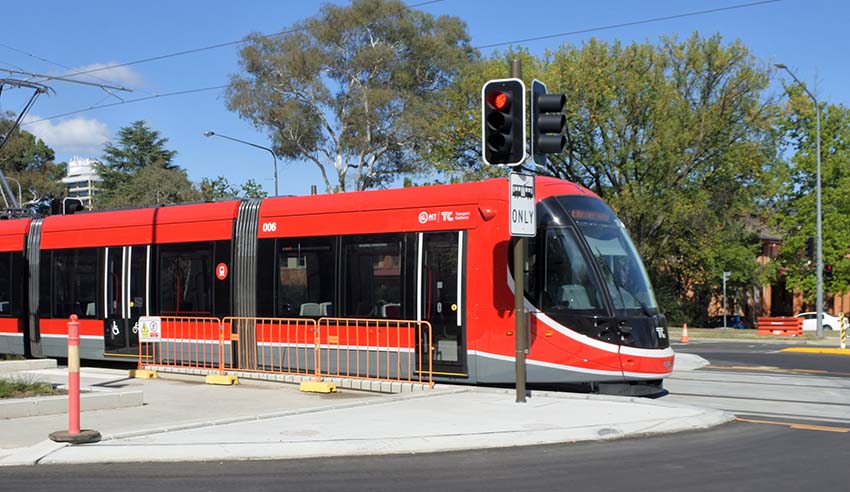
(814, 350)
(792, 425)
(777, 369)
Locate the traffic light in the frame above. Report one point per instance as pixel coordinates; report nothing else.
(503, 122)
(71, 205)
(827, 270)
(810, 248)
(547, 122)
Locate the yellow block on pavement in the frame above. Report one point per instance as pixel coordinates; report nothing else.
(317, 387)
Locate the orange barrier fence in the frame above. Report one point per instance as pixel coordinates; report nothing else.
(390, 350)
(381, 349)
(785, 326)
(274, 345)
(182, 342)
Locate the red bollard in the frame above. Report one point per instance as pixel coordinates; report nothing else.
(74, 435)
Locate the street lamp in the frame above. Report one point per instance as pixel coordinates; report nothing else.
(819, 219)
(210, 134)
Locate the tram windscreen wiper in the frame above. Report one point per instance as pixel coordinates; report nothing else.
(619, 287)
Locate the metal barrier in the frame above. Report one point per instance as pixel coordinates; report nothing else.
(274, 345)
(183, 342)
(388, 350)
(377, 349)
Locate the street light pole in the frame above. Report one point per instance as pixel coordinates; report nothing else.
(211, 134)
(819, 219)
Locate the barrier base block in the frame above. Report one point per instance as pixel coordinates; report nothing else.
(317, 387)
(142, 374)
(224, 379)
(84, 437)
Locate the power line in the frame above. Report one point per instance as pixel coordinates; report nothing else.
(12, 48)
(612, 26)
(155, 96)
(627, 24)
(206, 48)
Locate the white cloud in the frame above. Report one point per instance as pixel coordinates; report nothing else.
(113, 76)
(74, 135)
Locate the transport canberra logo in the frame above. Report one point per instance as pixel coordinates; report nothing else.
(442, 216)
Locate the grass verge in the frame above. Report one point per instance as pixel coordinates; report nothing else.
(733, 334)
(12, 388)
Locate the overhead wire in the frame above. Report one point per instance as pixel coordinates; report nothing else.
(506, 43)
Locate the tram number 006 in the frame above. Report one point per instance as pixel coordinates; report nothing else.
(269, 226)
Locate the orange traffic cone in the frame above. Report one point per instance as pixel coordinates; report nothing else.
(684, 338)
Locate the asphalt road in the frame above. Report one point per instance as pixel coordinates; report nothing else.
(795, 435)
(736, 456)
(753, 354)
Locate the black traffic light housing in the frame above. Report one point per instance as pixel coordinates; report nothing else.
(548, 122)
(810, 248)
(71, 205)
(503, 122)
(827, 270)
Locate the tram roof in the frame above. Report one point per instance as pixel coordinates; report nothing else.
(12, 233)
(420, 196)
(177, 223)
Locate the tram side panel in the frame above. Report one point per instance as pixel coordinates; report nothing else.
(13, 292)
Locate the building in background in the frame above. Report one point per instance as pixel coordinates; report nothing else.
(82, 180)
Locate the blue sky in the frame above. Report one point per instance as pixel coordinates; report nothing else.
(58, 37)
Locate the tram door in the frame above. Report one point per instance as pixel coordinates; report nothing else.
(440, 299)
(125, 297)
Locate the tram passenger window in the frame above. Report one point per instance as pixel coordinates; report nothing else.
(5, 283)
(74, 282)
(568, 280)
(185, 279)
(372, 277)
(305, 278)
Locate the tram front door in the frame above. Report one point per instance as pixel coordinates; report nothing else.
(440, 300)
(125, 296)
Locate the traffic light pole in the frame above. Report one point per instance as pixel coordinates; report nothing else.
(521, 328)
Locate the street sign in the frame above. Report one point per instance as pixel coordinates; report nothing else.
(523, 217)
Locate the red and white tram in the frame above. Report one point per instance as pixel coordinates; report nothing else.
(438, 253)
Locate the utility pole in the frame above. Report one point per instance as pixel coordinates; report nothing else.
(519, 288)
(725, 278)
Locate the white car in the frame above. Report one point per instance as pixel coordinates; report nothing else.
(830, 322)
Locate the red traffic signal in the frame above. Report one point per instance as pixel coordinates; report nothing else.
(503, 122)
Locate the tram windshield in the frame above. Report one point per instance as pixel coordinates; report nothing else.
(619, 263)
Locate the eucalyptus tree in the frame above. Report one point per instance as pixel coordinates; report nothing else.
(351, 90)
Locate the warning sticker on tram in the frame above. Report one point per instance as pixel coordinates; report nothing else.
(150, 329)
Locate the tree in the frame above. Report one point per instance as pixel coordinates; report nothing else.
(677, 137)
(30, 161)
(796, 211)
(153, 185)
(139, 160)
(219, 188)
(350, 90)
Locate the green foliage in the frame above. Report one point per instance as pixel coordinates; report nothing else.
(139, 171)
(31, 162)
(349, 89)
(17, 388)
(220, 188)
(677, 137)
(796, 211)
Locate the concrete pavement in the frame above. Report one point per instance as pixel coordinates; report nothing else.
(183, 419)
